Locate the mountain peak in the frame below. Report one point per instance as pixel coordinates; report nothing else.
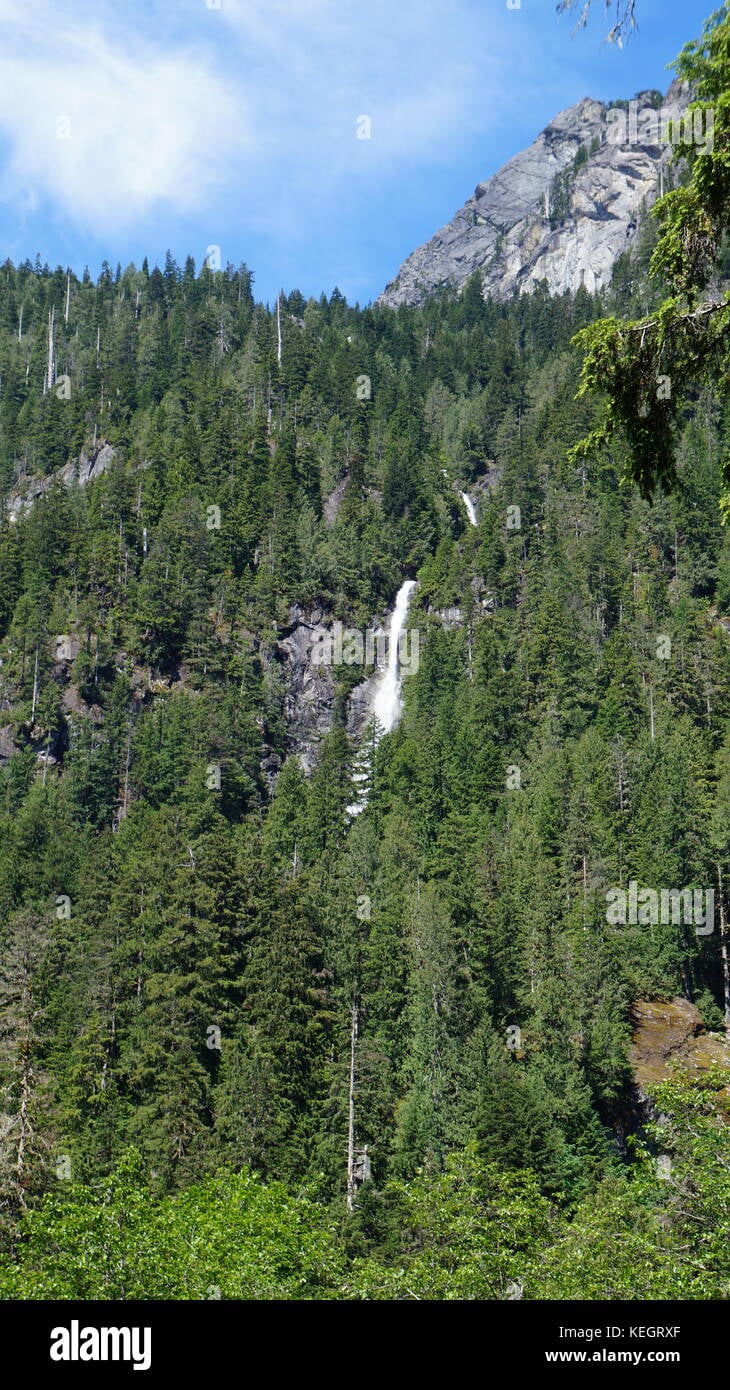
(563, 210)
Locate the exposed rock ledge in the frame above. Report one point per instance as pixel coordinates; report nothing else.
(669, 1033)
(90, 464)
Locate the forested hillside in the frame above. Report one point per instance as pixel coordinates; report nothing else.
(213, 975)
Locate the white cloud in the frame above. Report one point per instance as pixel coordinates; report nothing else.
(174, 109)
(106, 127)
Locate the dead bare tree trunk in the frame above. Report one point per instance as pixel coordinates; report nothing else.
(35, 689)
(26, 1129)
(351, 1184)
(724, 949)
(51, 362)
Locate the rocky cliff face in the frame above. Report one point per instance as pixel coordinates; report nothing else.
(310, 687)
(562, 211)
(90, 465)
(672, 1033)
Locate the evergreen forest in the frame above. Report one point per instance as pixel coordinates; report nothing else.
(254, 1045)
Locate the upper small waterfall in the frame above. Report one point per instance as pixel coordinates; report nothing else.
(387, 704)
(471, 509)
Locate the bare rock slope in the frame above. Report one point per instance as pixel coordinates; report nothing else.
(561, 211)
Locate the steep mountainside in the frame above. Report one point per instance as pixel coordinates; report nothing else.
(562, 211)
(309, 984)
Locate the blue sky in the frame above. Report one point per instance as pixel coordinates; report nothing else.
(129, 128)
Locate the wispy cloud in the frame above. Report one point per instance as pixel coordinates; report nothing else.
(108, 125)
(107, 116)
(418, 68)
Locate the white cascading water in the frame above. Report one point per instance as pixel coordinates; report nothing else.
(471, 509)
(387, 704)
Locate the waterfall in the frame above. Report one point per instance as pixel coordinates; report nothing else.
(471, 510)
(387, 705)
